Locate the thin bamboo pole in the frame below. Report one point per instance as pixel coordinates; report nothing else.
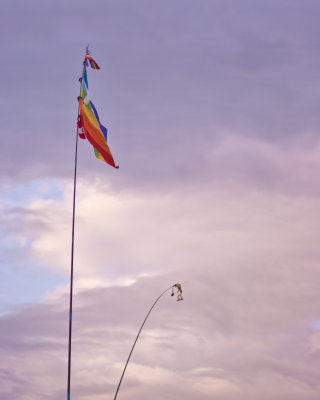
(125, 367)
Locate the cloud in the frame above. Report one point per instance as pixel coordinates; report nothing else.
(212, 116)
(188, 74)
(233, 334)
(250, 263)
(121, 235)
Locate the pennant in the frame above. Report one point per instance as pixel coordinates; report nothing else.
(93, 64)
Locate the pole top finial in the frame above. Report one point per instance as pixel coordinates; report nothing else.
(87, 49)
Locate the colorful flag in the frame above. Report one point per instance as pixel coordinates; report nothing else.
(89, 126)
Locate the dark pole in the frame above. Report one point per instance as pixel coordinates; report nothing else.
(125, 367)
(72, 253)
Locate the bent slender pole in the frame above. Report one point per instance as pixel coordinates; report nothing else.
(124, 370)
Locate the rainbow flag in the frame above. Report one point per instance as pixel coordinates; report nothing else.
(89, 126)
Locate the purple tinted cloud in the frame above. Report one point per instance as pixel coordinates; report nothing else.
(244, 341)
(212, 115)
(175, 79)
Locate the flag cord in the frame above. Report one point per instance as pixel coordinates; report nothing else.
(72, 253)
(125, 367)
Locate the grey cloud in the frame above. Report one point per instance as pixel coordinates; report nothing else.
(175, 78)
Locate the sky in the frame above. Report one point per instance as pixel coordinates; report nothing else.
(212, 115)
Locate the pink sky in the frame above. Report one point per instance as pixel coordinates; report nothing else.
(212, 115)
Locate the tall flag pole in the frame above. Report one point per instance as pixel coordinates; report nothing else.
(88, 127)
